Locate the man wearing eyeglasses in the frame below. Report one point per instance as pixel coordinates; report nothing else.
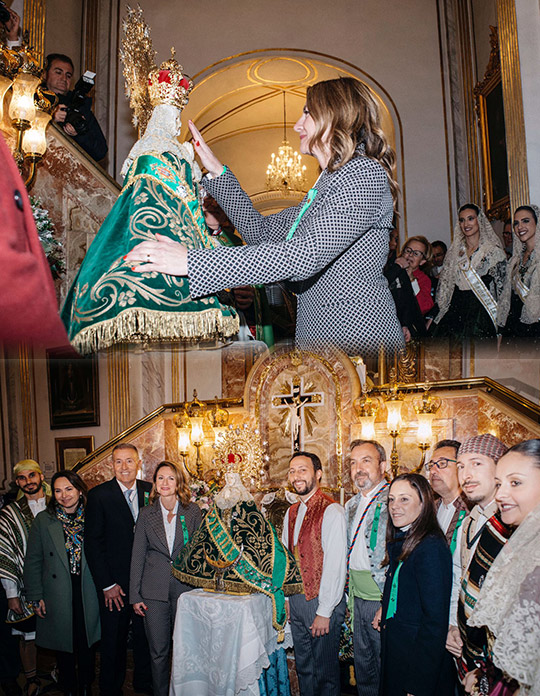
(452, 507)
(411, 287)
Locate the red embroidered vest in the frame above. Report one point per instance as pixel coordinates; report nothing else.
(309, 551)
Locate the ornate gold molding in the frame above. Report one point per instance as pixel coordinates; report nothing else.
(175, 373)
(118, 375)
(518, 178)
(34, 23)
(25, 377)
(90, 35)
(466, 45)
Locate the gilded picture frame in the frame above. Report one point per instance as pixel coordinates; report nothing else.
(71, 450)
(490, 112)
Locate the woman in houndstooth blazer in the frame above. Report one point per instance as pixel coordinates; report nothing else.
(331, 248)
(162, 531)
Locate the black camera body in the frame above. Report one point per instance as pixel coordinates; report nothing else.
(4, 12)
(74, 102)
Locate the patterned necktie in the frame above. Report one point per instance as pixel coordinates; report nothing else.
(128, 493)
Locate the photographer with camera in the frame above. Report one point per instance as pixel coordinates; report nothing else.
(11, 22)
(75, 109)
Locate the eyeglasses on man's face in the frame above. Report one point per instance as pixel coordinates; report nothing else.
(414, 252)
(441, 463)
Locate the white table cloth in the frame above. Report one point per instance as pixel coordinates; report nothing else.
(221, 644)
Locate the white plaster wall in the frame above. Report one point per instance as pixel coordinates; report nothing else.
(528, 20)
(395, 42)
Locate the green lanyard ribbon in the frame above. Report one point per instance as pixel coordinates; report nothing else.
(310, 198)
(375, 527)
(392, 602)
(460, 519)
(184, 529)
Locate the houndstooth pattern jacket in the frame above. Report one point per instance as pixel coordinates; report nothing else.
(333, 262)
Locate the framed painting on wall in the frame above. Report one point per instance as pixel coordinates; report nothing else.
(490, 111)
(73, 389)
(70, 450)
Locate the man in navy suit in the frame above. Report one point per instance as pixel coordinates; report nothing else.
(111, 513)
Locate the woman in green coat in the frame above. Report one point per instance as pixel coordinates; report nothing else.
(59, 584)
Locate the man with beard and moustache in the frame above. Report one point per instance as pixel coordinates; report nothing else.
(314, 530)
(366, 514)
(452, 505)
(15, 522)
(480, 538)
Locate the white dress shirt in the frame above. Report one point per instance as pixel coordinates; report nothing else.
(359, 559)
(170, 527)
(36, 506)
(334, 546)
(445, 513)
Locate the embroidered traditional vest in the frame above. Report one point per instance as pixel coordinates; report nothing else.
(308, 551)
(494, 536)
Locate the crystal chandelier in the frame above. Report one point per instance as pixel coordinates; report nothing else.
(286, 171)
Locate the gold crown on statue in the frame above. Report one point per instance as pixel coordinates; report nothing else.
(168, 84)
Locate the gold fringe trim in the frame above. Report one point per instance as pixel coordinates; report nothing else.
(137, 325)
(231, 586)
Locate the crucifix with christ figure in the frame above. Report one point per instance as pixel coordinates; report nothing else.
(297, 402)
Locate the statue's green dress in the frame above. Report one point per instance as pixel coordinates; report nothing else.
(108, 303)
(245, 541)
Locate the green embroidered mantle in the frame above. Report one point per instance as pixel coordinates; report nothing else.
(108, 303)
(265, 566)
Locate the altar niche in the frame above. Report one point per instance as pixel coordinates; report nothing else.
(302, 400)
(298, 410)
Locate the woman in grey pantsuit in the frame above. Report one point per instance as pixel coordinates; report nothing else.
(331, 248)
(162, 530)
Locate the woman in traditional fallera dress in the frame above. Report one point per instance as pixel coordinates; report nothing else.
(108, 302)
(471, 279)
(519, 306)
(331, 248)
(509, 600)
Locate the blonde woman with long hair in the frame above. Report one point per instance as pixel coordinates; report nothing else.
(163, 529)
(331, 248)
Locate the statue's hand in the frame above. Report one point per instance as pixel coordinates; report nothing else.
(208, 159)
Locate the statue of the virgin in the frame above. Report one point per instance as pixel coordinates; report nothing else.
(107, 302)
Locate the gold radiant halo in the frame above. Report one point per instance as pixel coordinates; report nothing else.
(239, 450)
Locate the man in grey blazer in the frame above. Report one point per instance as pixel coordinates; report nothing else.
(366, 514)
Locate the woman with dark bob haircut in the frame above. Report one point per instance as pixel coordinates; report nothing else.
(416, 596)
(59, 584)
(163, 529)
(331, 248)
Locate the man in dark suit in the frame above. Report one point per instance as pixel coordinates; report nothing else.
(111, 513)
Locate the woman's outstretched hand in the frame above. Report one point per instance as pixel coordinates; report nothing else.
(164, 256)
(207, 157)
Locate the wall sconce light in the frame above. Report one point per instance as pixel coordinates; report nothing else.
(30, 107)
(366, 409)
(425, 408)
(394, 404)
(195, 426)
